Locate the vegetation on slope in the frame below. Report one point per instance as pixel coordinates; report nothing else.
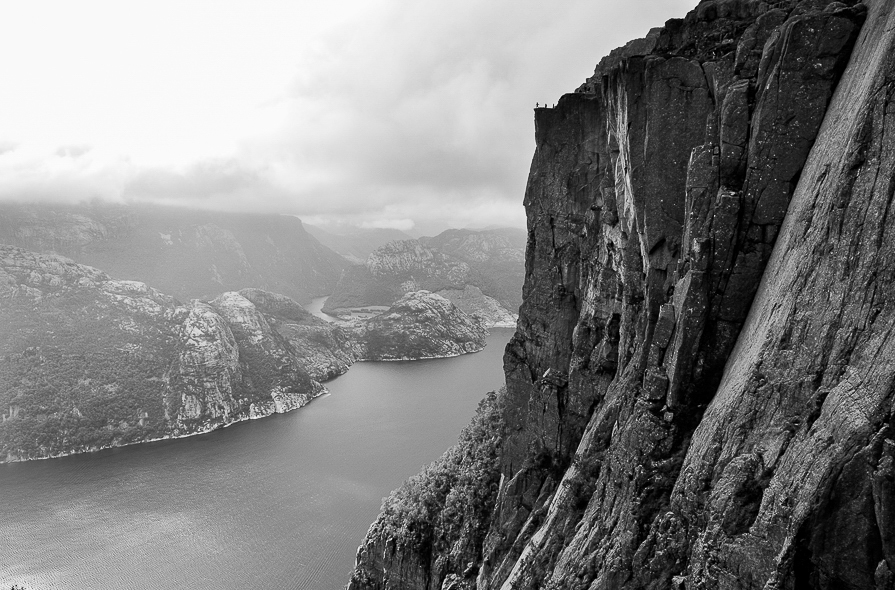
(73, 376)
(88, 362)
(444, 510)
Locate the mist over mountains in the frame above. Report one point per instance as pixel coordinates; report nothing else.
(124, 324)
(185, 253)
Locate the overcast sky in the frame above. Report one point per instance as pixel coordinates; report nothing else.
(389, 113)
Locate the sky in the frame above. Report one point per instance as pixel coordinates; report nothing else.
(407, 114)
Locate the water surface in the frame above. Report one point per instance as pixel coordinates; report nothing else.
(281, 502)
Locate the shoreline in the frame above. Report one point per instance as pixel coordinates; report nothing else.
(245, 418)
(421, 358)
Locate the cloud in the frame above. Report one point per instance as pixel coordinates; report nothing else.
(73, 151)
(400, 224)
(202, 181)
(370, 112)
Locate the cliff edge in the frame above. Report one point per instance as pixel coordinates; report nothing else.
(700, 388)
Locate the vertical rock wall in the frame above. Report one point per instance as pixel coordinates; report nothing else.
(632, 457)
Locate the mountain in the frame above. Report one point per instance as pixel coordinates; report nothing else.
(700, 389)
(497, 258)
(186, 253)
(479, 271)
(355, 243)
(90, 362)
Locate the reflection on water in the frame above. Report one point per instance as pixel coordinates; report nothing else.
(281, 502)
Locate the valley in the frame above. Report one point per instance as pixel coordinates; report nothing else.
(275, 503)
(92, 361)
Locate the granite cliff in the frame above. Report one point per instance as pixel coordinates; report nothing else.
(700, 389)
(88, 362)
(479, 271)
(186, 253)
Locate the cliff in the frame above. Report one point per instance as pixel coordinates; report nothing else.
(479, 271)
(700, 388)
(186, 253)
(89, 362)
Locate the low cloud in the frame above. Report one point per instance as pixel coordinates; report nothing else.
(401, 114)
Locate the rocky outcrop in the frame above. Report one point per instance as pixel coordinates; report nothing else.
(393, 270)
(323, 349)
(189, 254)
(699, 391)
(486, 310)
(419, 325)
(489, 261)
(89, 362)
(497, 257)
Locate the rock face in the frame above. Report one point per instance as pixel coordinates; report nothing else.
(89, 362)
(700, 389)
(487, 310)
(497, 257)
(189, 254)
(324, 350)
(490, 262)
(419, 325)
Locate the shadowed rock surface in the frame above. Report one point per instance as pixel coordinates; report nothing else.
(700, 388)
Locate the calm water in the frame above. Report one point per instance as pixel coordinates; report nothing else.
(281, 502)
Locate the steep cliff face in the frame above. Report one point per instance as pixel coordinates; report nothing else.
(189, 254)
(685, 409)
(88, 362)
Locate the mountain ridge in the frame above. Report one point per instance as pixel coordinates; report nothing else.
(480, 271)
(91, 362)
(188, 253)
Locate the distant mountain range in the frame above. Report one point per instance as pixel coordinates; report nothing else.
(186, 253)
(355, 243)
(480, 271)
(193, 321)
